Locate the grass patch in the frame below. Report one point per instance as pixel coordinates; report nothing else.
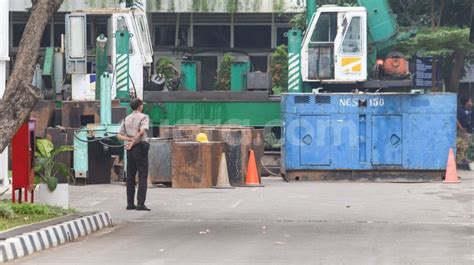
(18, 214)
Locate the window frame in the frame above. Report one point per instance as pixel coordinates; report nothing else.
(345, 34)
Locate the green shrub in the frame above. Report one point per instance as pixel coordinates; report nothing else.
(223, 75)
(165, 68)
(271, 141)
(279, 70)
(39, 209)
(6, 210)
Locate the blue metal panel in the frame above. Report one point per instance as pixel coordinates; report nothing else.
(368, 131)
(80, 155)
(362, 138)
(387, 140)
(366, 103)
(345, 140)
(315, 140)
(430, 138)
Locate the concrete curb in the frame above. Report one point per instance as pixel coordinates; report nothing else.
(51, 236)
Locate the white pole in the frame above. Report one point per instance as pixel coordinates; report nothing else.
(4, 45)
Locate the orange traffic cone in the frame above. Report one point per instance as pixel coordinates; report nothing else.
(223, 176)
(252, 179)
(451, 171)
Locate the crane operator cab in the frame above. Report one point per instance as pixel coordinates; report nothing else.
(140, 52)
(335, 46)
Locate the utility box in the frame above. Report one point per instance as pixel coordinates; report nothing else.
(76, 44)
(367, 136)
(191, 75)
(159, 160)
(23, 158)
(258, 81)
(238, 76)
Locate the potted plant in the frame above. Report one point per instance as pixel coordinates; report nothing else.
(49, 191)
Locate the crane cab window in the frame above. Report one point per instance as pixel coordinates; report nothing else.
(326, 28)
(321, 47)
(352, 43)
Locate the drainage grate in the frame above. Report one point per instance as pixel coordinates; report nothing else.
(323, 100)
(302, 99)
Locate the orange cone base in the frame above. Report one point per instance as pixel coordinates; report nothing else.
(251, 185)
(451, 181)
(222, 188)
(451, 171)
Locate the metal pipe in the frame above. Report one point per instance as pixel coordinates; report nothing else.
(58, 70)
(295, 39)
(311, 6)
(101, 61)
(105, 99)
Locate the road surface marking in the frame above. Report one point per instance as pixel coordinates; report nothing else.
(236, 204)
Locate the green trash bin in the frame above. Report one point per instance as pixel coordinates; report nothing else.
(190, 75)
(238, 76)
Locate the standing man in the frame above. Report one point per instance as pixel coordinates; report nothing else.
(133, 131)
(464, 125)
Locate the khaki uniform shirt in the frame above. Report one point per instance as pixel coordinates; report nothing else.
(133, 123)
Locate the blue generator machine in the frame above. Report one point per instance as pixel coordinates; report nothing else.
(377, 136)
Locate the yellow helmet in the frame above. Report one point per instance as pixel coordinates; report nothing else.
(202, 138)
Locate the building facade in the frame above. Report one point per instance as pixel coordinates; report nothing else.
(201, 30)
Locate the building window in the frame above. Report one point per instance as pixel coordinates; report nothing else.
(183, 36)
(208, 71)
(94, 30)
(46, 39)
(59, 29)
(252, 37)
(165, 35)
(212, 36)
(280, 38)
(100, 28)
(19, 28)
(17, 33)
(259, 63)
(90, 42)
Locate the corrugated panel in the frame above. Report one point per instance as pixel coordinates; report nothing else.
(302, 100)
(323, 100)
(252, 18)
(212, 18)
(163, 18)
(97, 19)
(185, 18)
(283, 18)
(19, 16)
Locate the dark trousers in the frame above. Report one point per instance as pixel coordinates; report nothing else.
(137, 160)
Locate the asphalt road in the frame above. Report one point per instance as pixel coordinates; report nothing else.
(282, 223)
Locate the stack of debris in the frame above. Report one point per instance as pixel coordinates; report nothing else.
(177, 158)
(58, 123)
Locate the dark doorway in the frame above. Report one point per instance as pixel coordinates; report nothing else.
(208, 71)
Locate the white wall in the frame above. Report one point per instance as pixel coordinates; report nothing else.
(244, 6)
(3, 62)
(68, 5)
